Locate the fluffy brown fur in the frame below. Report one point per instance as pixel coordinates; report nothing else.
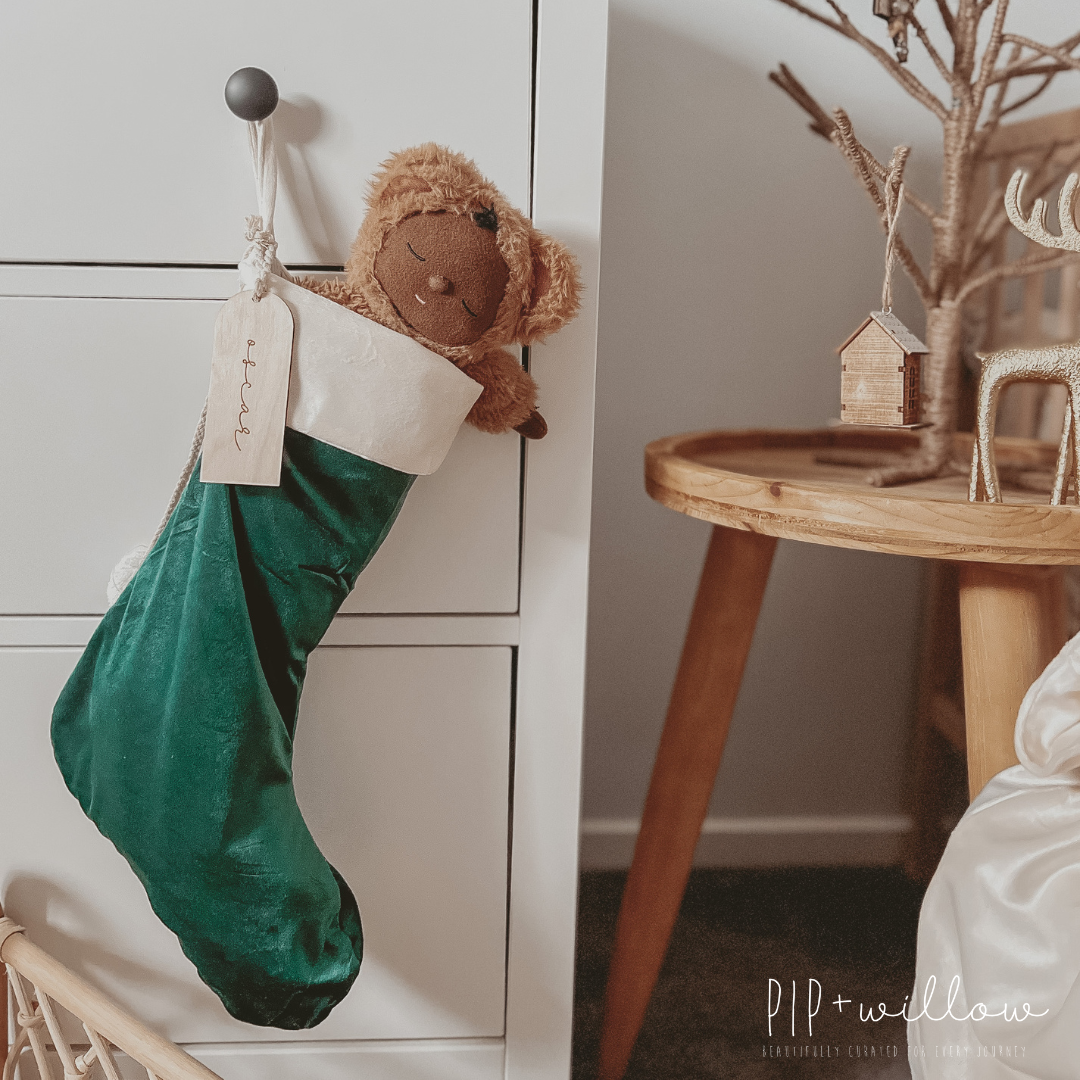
(542, 293)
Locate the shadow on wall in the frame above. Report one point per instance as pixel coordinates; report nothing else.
(70, 929)
(737, 253)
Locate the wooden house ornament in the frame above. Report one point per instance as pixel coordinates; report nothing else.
(879, 375)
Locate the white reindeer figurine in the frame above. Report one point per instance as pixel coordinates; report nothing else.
(1052, 363)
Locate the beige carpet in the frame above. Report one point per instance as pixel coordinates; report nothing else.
(852, 929)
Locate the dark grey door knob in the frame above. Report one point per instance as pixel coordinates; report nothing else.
(251, 93)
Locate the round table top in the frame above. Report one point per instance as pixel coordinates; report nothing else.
(772, 482)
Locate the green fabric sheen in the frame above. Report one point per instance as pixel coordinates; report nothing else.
(175, 730)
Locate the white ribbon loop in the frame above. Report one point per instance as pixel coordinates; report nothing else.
(256, 267)
(260, 259)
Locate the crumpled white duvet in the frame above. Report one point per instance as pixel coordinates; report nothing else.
(1000, 924)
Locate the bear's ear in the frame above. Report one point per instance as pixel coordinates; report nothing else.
(403, 183)
(556, 289)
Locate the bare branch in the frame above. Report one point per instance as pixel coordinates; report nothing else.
(920, 466)
(920, 205)
(996, 107)
(1030, 67)
(1030, 264)
(1021, 102)
(857, 156)
(815, 16)
(1020, 69)
(1044, 177)
(821, 122)
(914, 273)
(943, 69)
(881, 173)
(865, 166)
(991, 52)
(1061, 53)
(899, 72)
(991, 221)
(845, 26)
(1069, 43)
(893, 183)
(913, 200)
(947, 18)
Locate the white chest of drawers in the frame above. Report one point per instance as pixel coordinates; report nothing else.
(438, 752)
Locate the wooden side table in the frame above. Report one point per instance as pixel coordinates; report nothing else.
(756, 486)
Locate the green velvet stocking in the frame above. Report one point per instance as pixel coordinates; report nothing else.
(175, 731)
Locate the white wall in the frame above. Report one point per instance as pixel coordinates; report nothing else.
(737, 253)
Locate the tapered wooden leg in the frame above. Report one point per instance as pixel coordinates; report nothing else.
(939, 722)
(1012, 624)
(706, 686)
(4, 1019)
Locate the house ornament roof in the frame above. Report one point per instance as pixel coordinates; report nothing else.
(893, 327)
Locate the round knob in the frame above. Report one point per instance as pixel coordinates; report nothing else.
(251, 93)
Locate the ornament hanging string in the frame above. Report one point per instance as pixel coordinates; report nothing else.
(258, 263)
(893, 190)
(894, 201)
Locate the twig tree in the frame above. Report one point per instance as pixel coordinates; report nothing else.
(979, 96)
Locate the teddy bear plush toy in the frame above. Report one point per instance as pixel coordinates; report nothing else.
(442, 257)
(175, 731)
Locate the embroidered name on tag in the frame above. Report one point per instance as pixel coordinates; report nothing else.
(249, 392)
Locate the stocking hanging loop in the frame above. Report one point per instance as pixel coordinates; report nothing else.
(258, 263)
(260, 259)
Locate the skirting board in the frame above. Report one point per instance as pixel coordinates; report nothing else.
(406, 1059)
(872, 840)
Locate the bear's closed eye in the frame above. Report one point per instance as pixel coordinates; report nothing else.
(414, 255)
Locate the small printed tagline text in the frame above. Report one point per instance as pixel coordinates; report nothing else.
(825, 1051)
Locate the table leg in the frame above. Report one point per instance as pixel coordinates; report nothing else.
(1012, 624)
(939, 721)
(4, 1048)
(702, 700)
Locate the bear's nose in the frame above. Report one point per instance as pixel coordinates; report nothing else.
(440, 284)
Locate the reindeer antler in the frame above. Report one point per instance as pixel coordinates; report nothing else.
(1034, 227)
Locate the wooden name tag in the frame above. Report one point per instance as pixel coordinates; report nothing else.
(249, 392)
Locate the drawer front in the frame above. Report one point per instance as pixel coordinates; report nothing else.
(124, 150)
(100, 398)
(401, 770)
